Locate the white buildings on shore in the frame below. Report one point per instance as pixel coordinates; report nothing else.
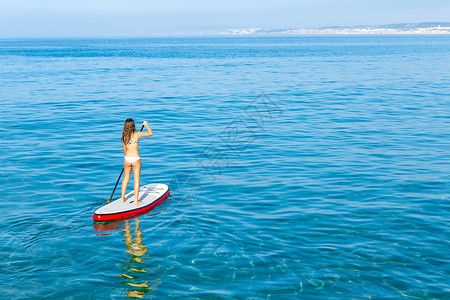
(370, 30)
(422, 28)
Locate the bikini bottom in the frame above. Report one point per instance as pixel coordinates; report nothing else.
(132, 159)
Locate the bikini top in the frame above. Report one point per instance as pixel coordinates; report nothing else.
(132, 143)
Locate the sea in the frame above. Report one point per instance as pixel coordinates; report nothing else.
(300, 167)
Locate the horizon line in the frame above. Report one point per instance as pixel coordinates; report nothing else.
(432, 28)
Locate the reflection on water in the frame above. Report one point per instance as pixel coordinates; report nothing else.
(136, 264)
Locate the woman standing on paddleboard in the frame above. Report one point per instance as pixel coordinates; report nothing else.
(130, 143)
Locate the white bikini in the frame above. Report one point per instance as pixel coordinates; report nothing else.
(132, 159)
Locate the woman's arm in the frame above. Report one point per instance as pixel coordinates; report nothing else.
(124, 148)
(149, 131)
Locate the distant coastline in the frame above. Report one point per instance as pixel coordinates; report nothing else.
(428, 28)
(403, 28)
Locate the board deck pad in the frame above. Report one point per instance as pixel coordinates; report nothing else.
(150, 194)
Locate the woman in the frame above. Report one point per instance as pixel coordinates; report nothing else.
(130, 143)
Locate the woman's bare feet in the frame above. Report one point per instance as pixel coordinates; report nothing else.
(123, 199)
(138, 202)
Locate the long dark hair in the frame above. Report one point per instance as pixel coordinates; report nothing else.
(128, 130)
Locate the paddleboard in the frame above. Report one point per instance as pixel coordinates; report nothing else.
(151, 195)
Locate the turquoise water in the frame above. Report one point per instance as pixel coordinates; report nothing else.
(305, 167)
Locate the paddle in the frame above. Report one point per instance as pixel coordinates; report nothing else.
(118, 179)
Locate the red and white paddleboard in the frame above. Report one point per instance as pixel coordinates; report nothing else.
(151, 195)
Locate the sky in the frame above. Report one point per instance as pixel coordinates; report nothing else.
(98, 18)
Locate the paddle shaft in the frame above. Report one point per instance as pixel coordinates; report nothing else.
(118, 179)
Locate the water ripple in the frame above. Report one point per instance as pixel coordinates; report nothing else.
(341, 193)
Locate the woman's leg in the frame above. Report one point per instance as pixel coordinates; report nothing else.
(137, 176)
(126, 178)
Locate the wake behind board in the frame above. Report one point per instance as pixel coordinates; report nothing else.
(151, 195)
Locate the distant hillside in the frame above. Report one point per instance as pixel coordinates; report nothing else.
(400, 26)
(403, 28)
